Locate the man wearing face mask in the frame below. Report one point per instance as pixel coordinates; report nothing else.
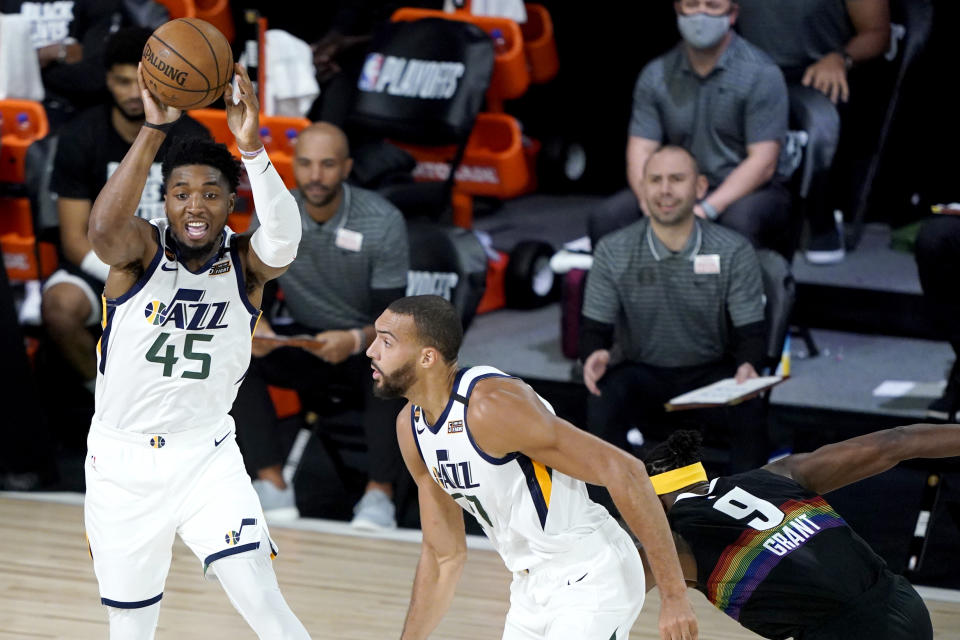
(725, 101)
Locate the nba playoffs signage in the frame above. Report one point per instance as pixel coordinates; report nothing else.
(424, 81)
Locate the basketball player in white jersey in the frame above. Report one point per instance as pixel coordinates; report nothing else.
(481, 440)
(180, 305)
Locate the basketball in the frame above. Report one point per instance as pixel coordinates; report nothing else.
(187, 63)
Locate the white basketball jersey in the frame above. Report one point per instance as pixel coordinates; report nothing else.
(529, 511)
(176, 346)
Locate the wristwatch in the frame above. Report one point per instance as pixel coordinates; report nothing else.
(709, 209)
(847, 59)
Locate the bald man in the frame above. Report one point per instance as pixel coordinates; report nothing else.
(352, 262)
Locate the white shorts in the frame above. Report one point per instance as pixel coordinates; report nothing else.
(61, 276)
(592, 592)
(143, 489)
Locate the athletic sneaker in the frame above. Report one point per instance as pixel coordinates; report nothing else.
(946, 407)
(277, 504)
(827, 248)
(374, 512)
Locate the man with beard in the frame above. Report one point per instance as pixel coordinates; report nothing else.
(477, 439)
(685, 298)
(353, 261)
(180, 303)
(724, 101)
(89, 151)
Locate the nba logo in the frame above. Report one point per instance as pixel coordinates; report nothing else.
(371, 72)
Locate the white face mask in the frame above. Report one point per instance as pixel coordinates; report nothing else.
(702, 31)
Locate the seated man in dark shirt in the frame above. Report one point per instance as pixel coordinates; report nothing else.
(352, 262)
(685, 298)
(822, 47)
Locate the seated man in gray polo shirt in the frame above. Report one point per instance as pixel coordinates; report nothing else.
(685, 299)
(725, 101)
(352, 262)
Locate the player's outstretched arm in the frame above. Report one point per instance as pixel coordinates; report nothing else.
(836, 465)
(560, 445)
(444, 549)
(688, 563)
(116, 235)
(273, 246)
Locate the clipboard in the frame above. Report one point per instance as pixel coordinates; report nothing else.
(723, 393)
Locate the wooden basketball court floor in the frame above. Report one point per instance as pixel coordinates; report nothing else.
(340, 583)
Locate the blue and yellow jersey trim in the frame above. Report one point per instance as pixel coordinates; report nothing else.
(109, 308)
(540, 484)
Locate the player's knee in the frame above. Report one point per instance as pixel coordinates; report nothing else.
(133, 624)
(252, 587)
(64, 308)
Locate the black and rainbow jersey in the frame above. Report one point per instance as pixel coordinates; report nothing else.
(771, 554)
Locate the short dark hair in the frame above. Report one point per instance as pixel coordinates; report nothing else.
(125, 46)
(194, 150)
(437, 321)
(682, 448)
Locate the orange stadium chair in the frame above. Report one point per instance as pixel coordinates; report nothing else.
(217, 13)
(13, 143)
(180, 8)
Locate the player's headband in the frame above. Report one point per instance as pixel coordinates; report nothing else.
(670, 481)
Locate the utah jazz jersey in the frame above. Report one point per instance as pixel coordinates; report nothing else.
(529, 511)
(771, 554)
(176, 346)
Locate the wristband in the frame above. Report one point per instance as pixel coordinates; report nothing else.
(251, 154)
(847, 59)
(710, 210)
(162, 128)
(92, 265)
(358, 340)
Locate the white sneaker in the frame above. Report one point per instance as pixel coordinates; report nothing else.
(374, 512)
(829, 248)
(277, 504)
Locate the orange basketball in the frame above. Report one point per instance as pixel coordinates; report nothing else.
(187, 63)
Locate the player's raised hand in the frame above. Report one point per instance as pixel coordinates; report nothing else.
(243, 111)
(154, 111)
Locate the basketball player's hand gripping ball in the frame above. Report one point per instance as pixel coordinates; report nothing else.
(155, 111)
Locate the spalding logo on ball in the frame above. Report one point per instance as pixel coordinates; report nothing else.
(187, 63)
